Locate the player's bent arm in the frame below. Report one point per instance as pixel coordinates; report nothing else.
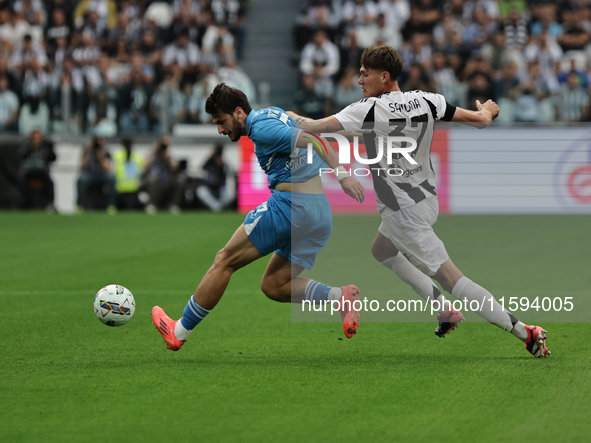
(351, 186)
(481, 118)
(320, 145)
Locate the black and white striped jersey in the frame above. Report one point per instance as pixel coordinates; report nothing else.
(398, 114)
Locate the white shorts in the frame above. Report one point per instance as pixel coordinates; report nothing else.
(410, 229)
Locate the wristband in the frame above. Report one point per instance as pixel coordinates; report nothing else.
(340, 173)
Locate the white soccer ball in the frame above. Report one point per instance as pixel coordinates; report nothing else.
(114, 305)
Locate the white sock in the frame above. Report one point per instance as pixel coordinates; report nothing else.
(180, 332)
(519, 331)
(335, 294)
(418, 281)
(489, 307)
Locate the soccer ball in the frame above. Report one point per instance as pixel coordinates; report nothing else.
(114, 305)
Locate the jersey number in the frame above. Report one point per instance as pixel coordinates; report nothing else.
(399, 126)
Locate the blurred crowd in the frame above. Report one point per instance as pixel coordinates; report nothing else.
(106, 67)
(532, 57)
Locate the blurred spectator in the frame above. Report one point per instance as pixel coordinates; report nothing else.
(320, 52)
(378, 33)
(128, 166)
(507, 86)
(446, 82)
(135, 99)
(359, 13)
(546, 20)
(149, 47)
(480, 87)
(181, 58)
(127, 30)
(417, 50)
(96, 184)
(574, 64)
(572, 102)
(577, 33)
(231, 14)
(33, 11)
(163, 179)
(516, 30)
(490, 8)
(167, 105)
(218, 34)
(307, 102)
(396, 12)
(213, 191)
(97, 15)
(318, 15)
(195, 103)
(479, 31)
(9, 107)
(232, 75)
(13, 28)
(532, 103)
(543, 49)
(348, 91)
(13, 80)
(36, 185)
(417, 79)
(25, 52)
(102, 115)
(423, 17)
(449, 32)
(497, 53)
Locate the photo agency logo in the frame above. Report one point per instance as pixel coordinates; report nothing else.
(394, 147)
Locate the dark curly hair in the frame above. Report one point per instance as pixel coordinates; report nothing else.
(226, 99)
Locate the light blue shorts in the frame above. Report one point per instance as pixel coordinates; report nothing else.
(295, 226)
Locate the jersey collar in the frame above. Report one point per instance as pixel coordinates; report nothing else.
(249, 118)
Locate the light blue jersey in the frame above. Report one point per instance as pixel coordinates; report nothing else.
(294, 225)
(274, 134)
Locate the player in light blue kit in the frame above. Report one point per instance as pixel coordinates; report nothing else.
(294, 223)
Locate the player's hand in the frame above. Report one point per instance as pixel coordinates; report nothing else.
(489, 106)
(353, 189)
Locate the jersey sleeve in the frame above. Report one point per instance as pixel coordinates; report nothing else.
(439, 107)
(353, 116)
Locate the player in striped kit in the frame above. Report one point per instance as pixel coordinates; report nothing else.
(405, 241)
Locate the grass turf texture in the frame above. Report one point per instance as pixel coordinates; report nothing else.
(248, 373)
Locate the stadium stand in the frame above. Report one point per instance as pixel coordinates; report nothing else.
(519, 53)
(102, 67)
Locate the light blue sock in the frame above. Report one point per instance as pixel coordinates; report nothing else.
(317, 292)
(192, 314)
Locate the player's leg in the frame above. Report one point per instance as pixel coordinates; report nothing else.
(238, 252)
(388, 255)
(309, 231)
(461, 287)
(281, 283)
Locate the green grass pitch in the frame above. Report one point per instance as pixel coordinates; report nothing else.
(248, 373)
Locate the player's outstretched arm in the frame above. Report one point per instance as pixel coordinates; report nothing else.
(327, 124)
(351, 186)
(485, 114)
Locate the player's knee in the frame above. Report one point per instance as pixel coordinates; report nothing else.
(446, 281)
(271, 290)
(380, 252)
